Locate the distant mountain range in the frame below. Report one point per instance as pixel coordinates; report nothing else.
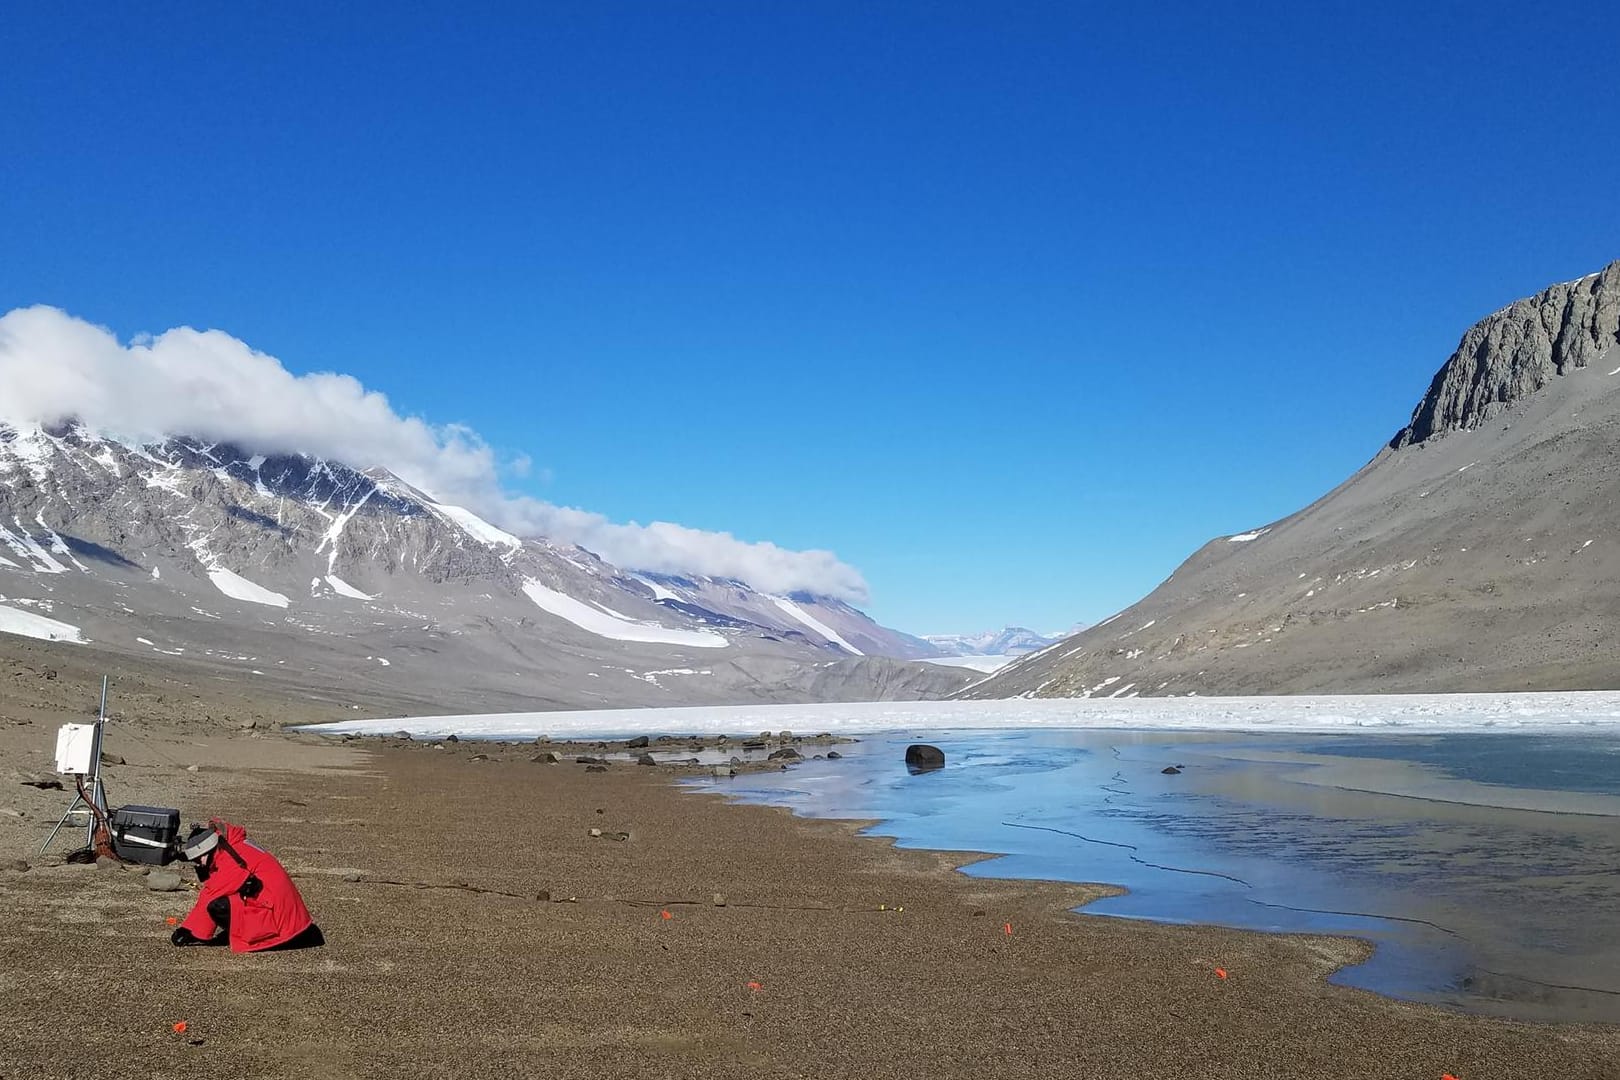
(298, 570)
(1479, 550)
(1009, 641)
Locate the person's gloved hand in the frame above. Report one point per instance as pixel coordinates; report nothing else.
(182, 936)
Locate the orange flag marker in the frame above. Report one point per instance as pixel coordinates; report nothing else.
(1006, 928)
(180, 1027)
(754, 986)
(171, 920)
(1447, 1076)
(1220, 973)
(666, 914)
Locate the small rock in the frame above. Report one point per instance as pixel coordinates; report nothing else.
(586, 759)
(719, 899)
(479, 757)
(784, 735)
(764, 734)
(111, 759)
(787, 753)
(403, 735)
(163, 881)
(44, 785)
(753, 745)
(247, 725)
(821, 757)
(736, 761)
(103, 862)
(544, 896)
(621, 837)
(920, 757)
(833, 755)
(978, 913)
(541, 740)
(351, 877)
(596, 832)
(646, 759)
(638, 742)
(724, 772)
(19, 865)
(452, 738)
(550, 757)
(596, 768)
(192, 768)
(1171, 770)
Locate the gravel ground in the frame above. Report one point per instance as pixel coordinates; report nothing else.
(476, 928)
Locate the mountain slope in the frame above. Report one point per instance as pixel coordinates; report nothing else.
(303, 570)
(1480, 550)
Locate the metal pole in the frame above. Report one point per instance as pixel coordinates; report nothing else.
(97, 795)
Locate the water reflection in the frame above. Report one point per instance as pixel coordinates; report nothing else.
(1486, 869)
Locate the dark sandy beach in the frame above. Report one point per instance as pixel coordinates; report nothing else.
(476, 928)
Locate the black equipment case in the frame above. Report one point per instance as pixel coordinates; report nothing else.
(145, 834)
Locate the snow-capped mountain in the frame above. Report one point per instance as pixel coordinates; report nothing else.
(301, 569)
(1008, 641)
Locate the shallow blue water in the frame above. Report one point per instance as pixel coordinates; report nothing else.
(1401, 840)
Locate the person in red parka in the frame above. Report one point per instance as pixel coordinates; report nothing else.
(246, 898)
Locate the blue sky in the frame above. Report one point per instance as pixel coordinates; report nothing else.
(1010, 306)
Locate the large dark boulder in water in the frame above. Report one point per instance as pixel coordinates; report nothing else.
(920, 757)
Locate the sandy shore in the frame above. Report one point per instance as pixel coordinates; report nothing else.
(476, 928)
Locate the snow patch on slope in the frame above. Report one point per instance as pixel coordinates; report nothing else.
(614, 626)
(238, 587)
(815, 624)
(27, 624)
(478, 528)
(343, 588)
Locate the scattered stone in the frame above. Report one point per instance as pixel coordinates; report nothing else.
(247, 725)
(586, 759)
(550, 757)
(403, 735)
(438, 746)
(787, 753)
(724, 772)
(638, 742)
(192, 768)
(719, 899)
(596, 768)
(753, 744)
(596, 832)
(920, 757)
(1171, 770)
(978, 913)
(452, 738)
(541, 740)
(820, 757)
(351, 877)
(104, 862)
(736, 761)
(621, 837)
(480, 757)
(784, 735)
(164, 881)
(19, 865)
(833, 755)
(544, 896)
(111, 759)
(646, 759)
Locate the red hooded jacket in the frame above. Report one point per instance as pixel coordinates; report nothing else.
(273, 917)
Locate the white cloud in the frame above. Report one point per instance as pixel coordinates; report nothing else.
(206, 383)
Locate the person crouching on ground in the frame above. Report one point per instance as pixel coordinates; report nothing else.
(246, 898)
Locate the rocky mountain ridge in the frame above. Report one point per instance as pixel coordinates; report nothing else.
(1479, 550)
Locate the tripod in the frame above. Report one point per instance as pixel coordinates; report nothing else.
(95, 790)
